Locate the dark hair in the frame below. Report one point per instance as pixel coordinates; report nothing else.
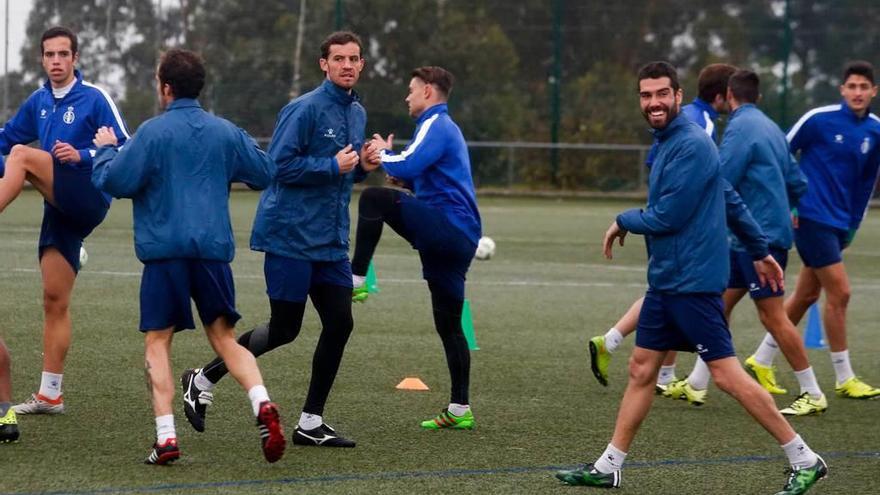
(859, 68)
(712, 81)
(439, 77)
(656, 70)
(745, 86)
(57, 32)
(184, 71)
(340, 38)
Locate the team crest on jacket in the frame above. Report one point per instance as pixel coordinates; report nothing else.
(866, 146)
(43, 113)
(69, 116)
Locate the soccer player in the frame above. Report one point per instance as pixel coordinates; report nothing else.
(302, 225)
(177, 169)
(756, 161)
(63, 115)
(839, 148)
(704, 110)
(8, 422)
(683, 308)
(440, 220)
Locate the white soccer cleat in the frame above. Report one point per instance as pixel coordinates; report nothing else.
(38, 404)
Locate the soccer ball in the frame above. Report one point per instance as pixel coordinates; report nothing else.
(83, 257)
(485, 248)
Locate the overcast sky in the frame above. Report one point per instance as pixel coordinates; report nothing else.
(18, 13)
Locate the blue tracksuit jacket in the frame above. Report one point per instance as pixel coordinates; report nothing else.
(756, 161)
(437, 165)
(177, 169)
(73, 119)
(684, 222)
(840, 155)
(303, 214)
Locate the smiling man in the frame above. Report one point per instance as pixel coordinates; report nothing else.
(839, 148)
(686, 232)
(302, 225)
(63, 115)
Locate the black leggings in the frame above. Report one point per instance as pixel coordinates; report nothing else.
(377, 206)
(381, 205)
(333, 304)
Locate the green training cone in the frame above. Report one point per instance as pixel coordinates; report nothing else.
(372, 282)
(467, 325)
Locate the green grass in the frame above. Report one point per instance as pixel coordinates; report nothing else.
(537, 406)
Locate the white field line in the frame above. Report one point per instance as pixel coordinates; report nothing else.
(403, 281)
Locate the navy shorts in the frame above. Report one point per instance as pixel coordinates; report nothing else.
(819, 245)
(168, 285)
(744, 276)
(79, 208)
(289, 279)
(445, 250)
(685, 322)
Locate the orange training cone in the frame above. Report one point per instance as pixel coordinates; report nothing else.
(412, 383)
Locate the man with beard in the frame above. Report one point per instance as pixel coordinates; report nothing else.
(683, 308)
(302, 225)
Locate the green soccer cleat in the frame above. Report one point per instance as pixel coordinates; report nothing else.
(856, 389)
(9, 427)
(360, 294)
(764, 375)
(599, 359)
(447, 420)
(806, 405)
(589, 476)
(802, 479)
(681, 389)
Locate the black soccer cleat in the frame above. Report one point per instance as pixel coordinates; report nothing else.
(165, 454)
(195, 401)
(322, 436)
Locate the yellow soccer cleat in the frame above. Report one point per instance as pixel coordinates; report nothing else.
(764, 375)
(806, 405)
(856, 389)
(681, 389)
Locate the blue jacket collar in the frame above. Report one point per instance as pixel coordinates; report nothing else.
(678, 122)
(434, 110)
(741, 108)
(705, 106)
(341, 95)
(846, 110)
(76, 74)
(183, 103)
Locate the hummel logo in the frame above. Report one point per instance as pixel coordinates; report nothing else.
(329, 133)
(838, 138)
(701, 349)
(318, 441)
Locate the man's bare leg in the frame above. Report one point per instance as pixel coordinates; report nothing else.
(31, 164)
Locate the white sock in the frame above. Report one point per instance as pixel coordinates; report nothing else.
(613, 339)
(257, 394)
(800, 455)
(807, 380)
(458, 409)
(611, 460)
(842, 367)
(699, 377)
(767, 351)
(50, 385)
(358, 280)
(165, 428)
(310, 421)
(202, 382)
(666, 375)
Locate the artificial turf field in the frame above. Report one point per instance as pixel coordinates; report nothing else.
(538, 408)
